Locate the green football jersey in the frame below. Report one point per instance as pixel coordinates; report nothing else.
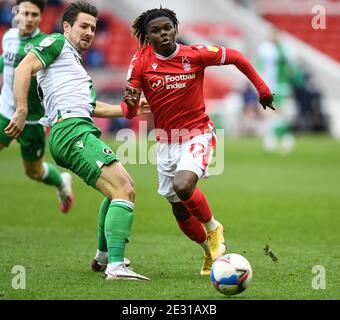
(15, 49)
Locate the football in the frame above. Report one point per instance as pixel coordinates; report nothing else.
(231, 274)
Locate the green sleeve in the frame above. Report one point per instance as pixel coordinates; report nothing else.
(1, 64)
(49, 49)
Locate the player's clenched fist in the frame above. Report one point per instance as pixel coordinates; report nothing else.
(131, 96)
(267, 102)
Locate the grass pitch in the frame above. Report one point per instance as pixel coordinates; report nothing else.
(290, 204)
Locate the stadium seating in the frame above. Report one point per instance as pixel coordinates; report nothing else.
(326, 40)
(115, 41)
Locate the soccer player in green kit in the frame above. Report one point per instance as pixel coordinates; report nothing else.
(70, 102)
(16, 44)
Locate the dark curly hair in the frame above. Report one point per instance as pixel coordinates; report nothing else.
(138, 26)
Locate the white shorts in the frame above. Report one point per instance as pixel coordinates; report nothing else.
(193, 155)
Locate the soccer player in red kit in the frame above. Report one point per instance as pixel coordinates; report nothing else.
(171, 77)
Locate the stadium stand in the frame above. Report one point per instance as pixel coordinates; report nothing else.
(296, 17)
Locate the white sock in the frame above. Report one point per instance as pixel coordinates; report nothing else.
(205, 246)
(101, 257)
(45, 174)
(211, 225)
(114, 265)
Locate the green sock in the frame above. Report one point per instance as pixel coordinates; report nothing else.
(52, 176)
(118, 224)
(102, 246)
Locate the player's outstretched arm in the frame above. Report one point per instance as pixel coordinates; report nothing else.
(105, 110)
(22, 81)
(239, 60)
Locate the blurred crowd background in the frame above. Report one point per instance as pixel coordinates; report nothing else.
(294, 45)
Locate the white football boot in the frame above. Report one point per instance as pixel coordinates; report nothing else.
(65, 194)
(121, 272)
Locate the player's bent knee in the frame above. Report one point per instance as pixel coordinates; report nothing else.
(33, 174)
(130, 192)
(184, 189)
(124, 191)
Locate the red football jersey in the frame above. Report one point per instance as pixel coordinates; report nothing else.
(173, 86)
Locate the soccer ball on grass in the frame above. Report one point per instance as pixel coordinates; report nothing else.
(231, 274)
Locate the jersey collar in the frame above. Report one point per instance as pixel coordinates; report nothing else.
(158, 56)
(34, 33)
(73, 47)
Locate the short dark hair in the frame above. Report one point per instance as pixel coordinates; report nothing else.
(39, 3)
(74, 8)
(139, 25)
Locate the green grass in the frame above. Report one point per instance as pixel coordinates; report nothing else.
(290, 203)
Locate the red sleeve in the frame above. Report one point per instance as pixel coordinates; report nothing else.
(211, 55)
(134, 80)
(134, 76)
(237, 58)
(129, 113)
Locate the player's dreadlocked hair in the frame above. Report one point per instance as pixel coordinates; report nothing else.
(139, 25)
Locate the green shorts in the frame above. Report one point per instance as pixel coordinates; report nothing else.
(32, 140)
(75, 145)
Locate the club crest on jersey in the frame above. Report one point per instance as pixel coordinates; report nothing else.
(107, 151)
(186, 63)
(28, 47)
(156, 83)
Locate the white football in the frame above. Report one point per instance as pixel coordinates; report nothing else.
(231, 274)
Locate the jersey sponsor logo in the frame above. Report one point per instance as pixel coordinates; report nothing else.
(107, 151)
(154, 65)
(156, 83)
(180, 77)
(47, 42)
(186, 63)
(178, 82)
